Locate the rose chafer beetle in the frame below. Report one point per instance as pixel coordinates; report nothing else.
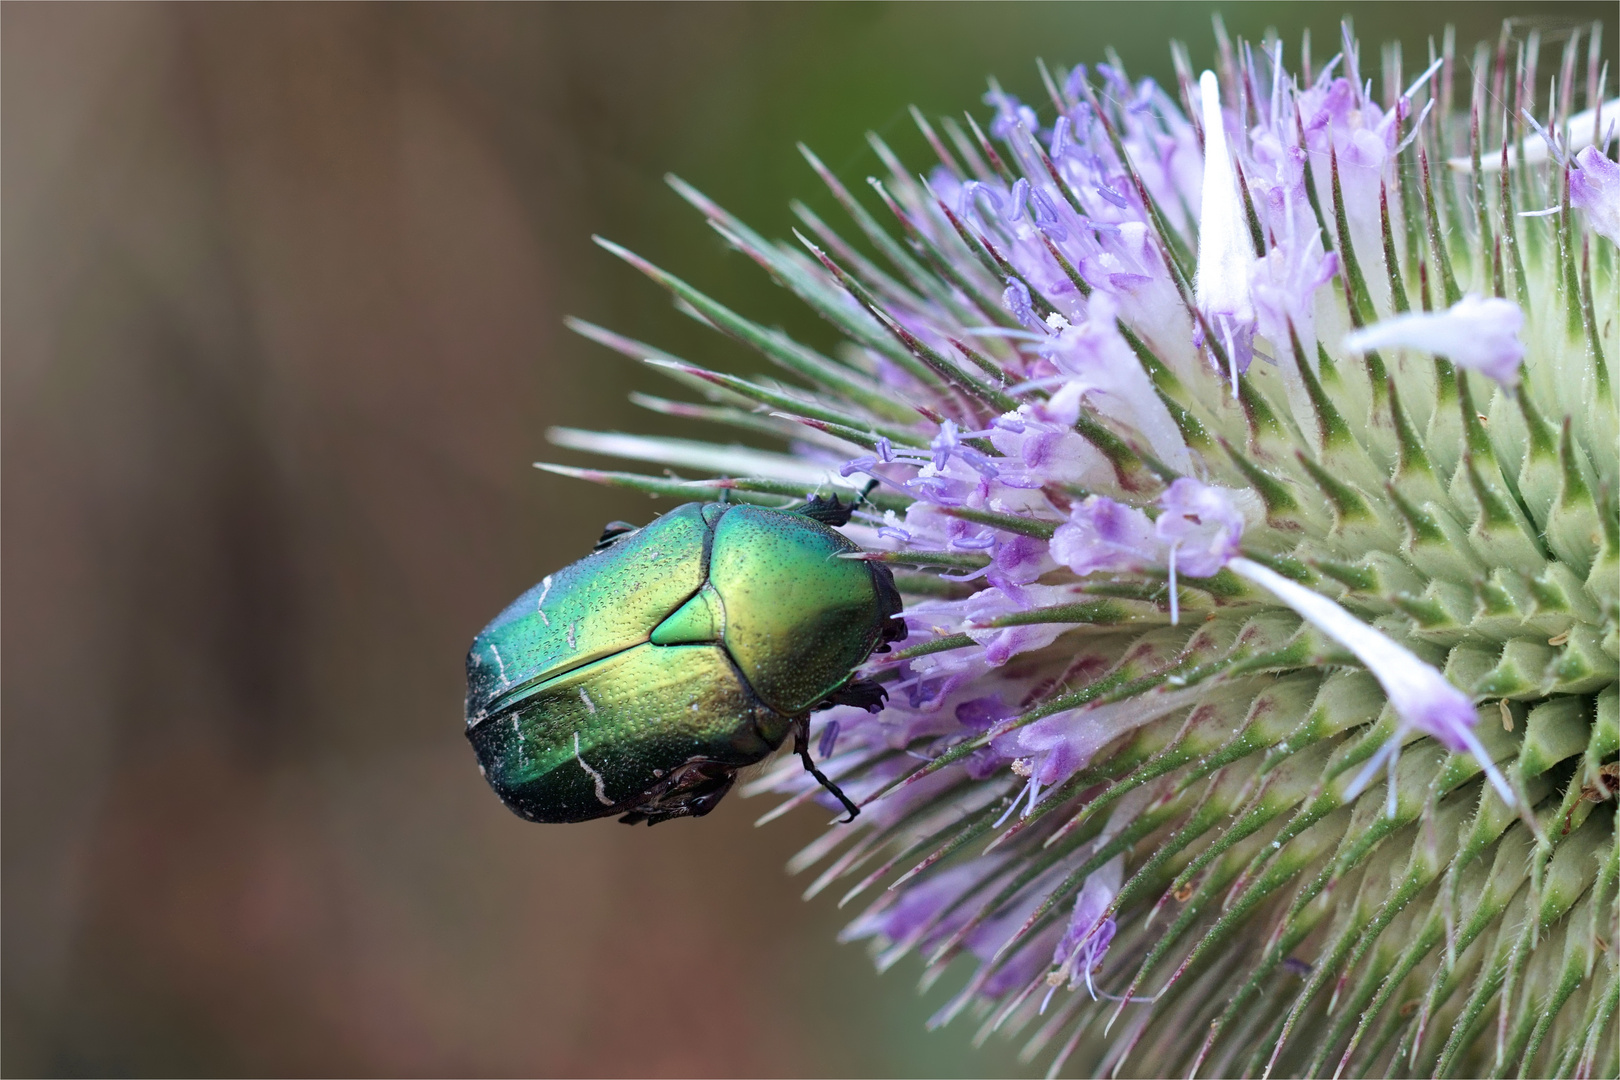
(638, 680)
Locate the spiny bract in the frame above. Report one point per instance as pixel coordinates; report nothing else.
(1254, 457)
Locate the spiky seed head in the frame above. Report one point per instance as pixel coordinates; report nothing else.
(1249, 464)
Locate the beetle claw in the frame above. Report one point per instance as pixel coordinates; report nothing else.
(863, 694)
(613, 532)
(801, 746)
(827, 511)
(690, 791)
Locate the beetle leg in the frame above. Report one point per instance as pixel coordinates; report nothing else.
(862, 693)
(691, 790)
(827, 511)
(613, 531)
(801, 746)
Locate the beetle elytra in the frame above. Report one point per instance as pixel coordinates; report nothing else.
(638, 680)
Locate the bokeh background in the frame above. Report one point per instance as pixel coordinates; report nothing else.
(283, 300)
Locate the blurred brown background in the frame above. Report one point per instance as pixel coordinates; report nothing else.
(283, 290)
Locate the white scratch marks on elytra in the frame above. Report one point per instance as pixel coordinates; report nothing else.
(589, 704)
(539, 607)
(596, 777)
(504, 680)
(571, 628)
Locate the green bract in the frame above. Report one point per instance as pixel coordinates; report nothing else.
(638, 680)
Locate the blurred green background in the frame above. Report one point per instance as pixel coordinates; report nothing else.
(282, 334)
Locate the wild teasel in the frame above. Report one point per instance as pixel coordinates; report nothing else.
(1250, 464)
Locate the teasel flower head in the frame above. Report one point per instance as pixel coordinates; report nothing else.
(1246, 452)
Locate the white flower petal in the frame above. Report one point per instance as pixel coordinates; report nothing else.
(1420, 695)
(1582, 129)
(1225, 255)
(1477, 333)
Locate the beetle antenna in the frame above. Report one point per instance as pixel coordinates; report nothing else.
(801, 746)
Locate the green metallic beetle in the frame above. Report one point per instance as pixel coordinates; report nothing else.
(640, 679)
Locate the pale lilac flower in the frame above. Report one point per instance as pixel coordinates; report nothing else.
(1286, 282)
(1010, 113)
(1203, 521)
(1089, 932)
(1476, 333)
(1043, 448)
(1345, 127)
(919, 911)
(1016, 300)
(1100, 361)
(1054, 748)
(1018, 560)
(1002, 644)
(1595, 188)
(1296, 264)
(1102, 534)
(1200, 524)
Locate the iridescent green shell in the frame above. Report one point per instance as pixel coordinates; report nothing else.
(639, 679)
